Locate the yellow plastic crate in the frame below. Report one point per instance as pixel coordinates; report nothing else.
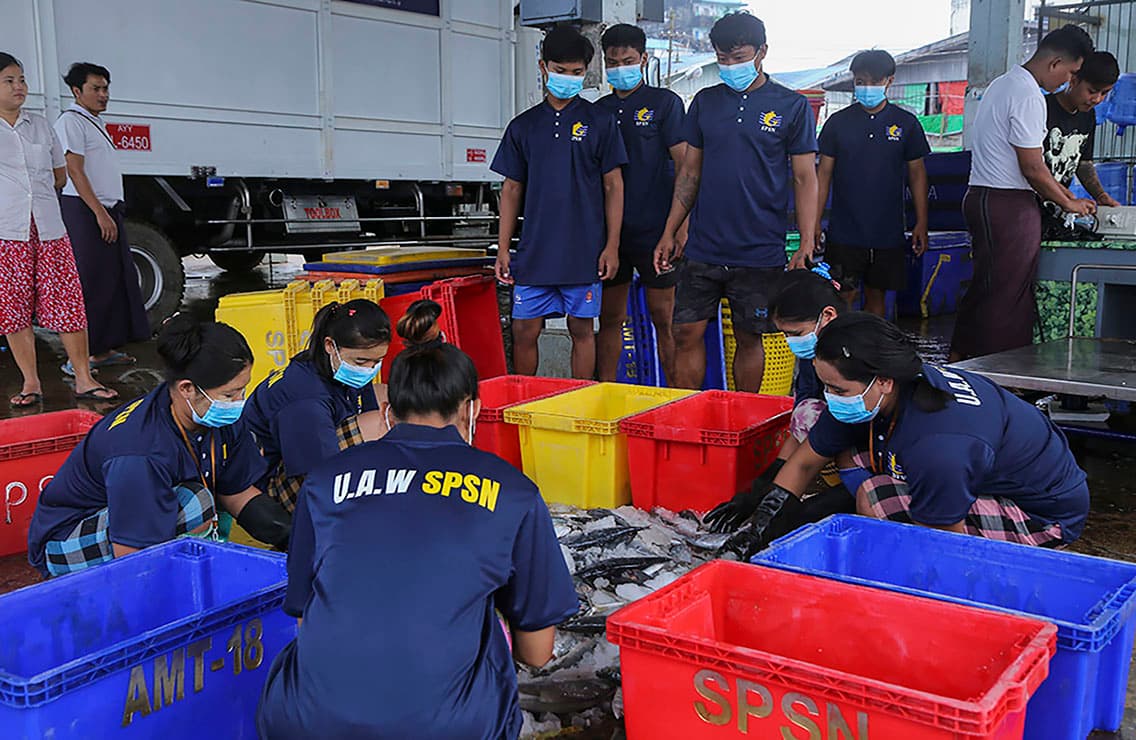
(278, 323)
(401, 255)
(779, 359)
(571, 445)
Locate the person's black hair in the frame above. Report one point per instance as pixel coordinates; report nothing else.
(624, 35)
(1099, 69)
(863, 346)
(801, 295)
(7, 60)
(1070, 42)
(565, 44)
(429, 376)
(357, 324)
(80, 71)
(875, 64)
(207, 353)
(737, 29)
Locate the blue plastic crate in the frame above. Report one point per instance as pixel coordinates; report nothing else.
(171, 642)
(639, 355)
(1091, 600)
(937, 279)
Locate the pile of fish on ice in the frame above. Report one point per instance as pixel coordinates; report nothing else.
(616, 556)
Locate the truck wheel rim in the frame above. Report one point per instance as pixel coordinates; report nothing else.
(152, 284)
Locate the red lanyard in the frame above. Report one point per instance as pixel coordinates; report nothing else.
(193, 454)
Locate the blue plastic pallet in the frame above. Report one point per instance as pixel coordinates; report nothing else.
(1091, 600)
(364, 269)
(639, 358)
(171, 642)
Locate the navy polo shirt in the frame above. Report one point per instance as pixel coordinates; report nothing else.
(808, 385)
(651, 121)
(746, 140)
(401, 550)
(986, 442)
(129, 463)
(561, 158)
(294, 414)
(871, 152)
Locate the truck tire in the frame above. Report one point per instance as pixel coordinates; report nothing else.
(160, 272)
(236, 261)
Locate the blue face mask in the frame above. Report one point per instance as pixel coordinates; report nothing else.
(805, 346)
(220, 413)
(851, 409)
(354, 376)
(564, 87)
(870, 96)
(625, 78)
(738, 76)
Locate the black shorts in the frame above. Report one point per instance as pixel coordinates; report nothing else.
(644, 264)
(882, 269)
(701, 288)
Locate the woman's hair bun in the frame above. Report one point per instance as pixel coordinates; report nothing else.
(419, 325)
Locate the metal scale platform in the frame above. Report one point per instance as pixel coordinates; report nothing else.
(1076, 367)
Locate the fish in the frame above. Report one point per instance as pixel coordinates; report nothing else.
(593, 624)
(606, 537)
(564, 696)
(613, 566)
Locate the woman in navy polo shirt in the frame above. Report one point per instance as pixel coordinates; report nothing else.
(945, 448)
(324, 401)
(402, 551)
(806, 301)
(148, 472)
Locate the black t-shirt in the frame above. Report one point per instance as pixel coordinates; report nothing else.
(1069, 139)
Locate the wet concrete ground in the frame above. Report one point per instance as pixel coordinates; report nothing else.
(1110, 531)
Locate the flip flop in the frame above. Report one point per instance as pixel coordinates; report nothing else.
(114, 358)
(25, 400)
(69, 370)
(93, 394)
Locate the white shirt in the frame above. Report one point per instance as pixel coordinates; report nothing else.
(29, 152)
(1011, 114)
(86, 135)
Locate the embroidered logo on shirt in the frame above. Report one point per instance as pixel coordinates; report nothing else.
(770, 122)
(894, 468)
(644, 116)
(894, 132)
(579, 131)
(588, 297)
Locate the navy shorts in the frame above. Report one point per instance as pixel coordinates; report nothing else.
(540, 301)
(644, 264)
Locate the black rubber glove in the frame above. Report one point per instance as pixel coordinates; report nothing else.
(778, 506)
(728, 516)
(265, 519)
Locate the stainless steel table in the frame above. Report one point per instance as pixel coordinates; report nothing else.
(1075, 367)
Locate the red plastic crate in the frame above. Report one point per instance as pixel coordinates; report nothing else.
(493, 434)
(471, 320)
(734, 650)
(700, 451)
(32, 448)
(395, 308)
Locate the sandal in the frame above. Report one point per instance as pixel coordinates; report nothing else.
(114, 358)
(25, 400)
(69, 370)
(93, 394)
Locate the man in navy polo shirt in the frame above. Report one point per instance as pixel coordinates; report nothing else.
(650, 119)
(742, 136)
(563, 158)
(866, 150)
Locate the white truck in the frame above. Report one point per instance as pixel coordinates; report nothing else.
(255, 126)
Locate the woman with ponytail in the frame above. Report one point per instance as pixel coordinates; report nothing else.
(944, 448)
(324, 401)
(806, 301)
(403, 551)
(163, 465)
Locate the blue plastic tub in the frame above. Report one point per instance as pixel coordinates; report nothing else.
(1114, 179)
(171, 642)
(1091, 600)
(937, 279)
